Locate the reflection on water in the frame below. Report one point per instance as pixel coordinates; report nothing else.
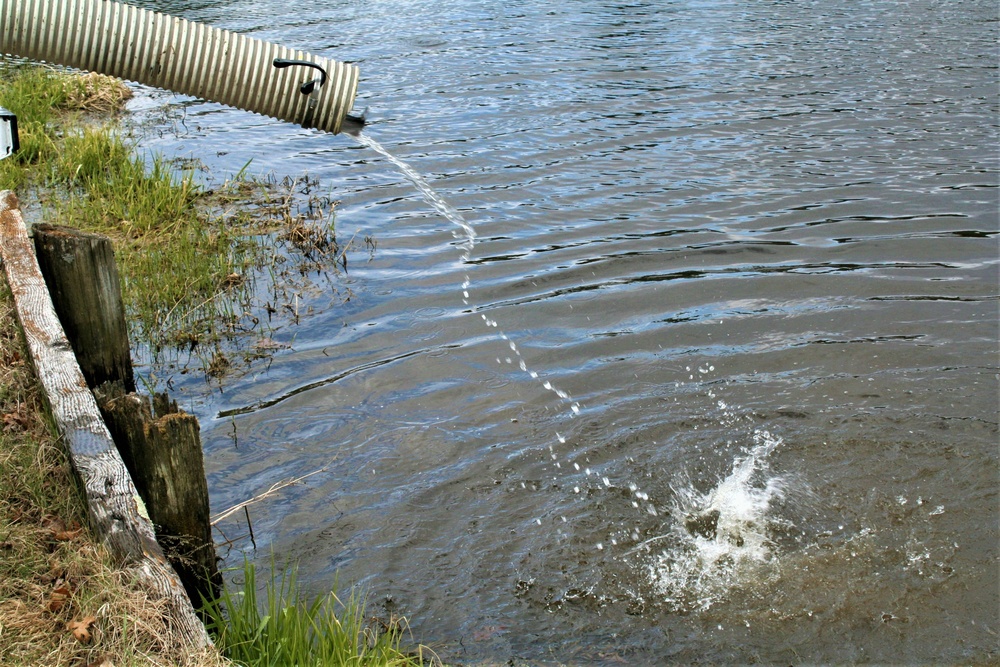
(677, 208)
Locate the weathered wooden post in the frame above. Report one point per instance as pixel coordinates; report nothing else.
(114, 507)
(80, 270)
(163, 455)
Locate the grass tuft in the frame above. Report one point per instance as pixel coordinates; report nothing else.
(285, 630)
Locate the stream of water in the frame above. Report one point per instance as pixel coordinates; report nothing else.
(680, 341)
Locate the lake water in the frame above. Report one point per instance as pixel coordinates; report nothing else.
(712, 372)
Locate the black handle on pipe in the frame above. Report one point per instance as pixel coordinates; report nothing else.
(308, 86)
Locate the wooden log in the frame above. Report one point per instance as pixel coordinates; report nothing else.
(82, 277)
(114, 507)
(164, 457)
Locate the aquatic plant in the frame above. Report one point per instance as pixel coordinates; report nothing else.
(284, 629)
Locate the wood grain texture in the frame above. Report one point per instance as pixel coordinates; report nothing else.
(82, 278)
(115, 510)
(163, 454)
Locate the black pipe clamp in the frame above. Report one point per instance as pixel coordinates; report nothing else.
(309, 86)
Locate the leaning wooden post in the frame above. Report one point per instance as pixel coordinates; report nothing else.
(114, 506)
(80, 270)
(165, 458)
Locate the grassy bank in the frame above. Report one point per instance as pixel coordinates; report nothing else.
(192, 258)
(62, 600)
(189, 259)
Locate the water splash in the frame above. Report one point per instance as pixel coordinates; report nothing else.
(722, 538)
(717, 538)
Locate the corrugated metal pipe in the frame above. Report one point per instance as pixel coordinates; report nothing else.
(183, 56)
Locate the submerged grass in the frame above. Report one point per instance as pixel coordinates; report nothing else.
(190, 256)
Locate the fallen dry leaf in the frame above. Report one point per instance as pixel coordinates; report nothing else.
(59, 597)
(102, 661)
(60, 531)
(69, 534)
(18, 420)
(81, 629)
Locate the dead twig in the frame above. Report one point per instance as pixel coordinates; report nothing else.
(277, 486)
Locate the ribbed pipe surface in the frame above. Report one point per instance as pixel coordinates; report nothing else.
(179, 55)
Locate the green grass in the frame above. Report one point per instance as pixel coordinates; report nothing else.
(26, 92)
(189, 257)
(285, 630)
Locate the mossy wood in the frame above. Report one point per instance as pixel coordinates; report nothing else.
(162, 451)
(79, 269)
(114, 506)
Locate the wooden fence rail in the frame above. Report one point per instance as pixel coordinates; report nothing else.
(115, 509)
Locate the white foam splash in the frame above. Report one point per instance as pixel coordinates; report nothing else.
(720, 539)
